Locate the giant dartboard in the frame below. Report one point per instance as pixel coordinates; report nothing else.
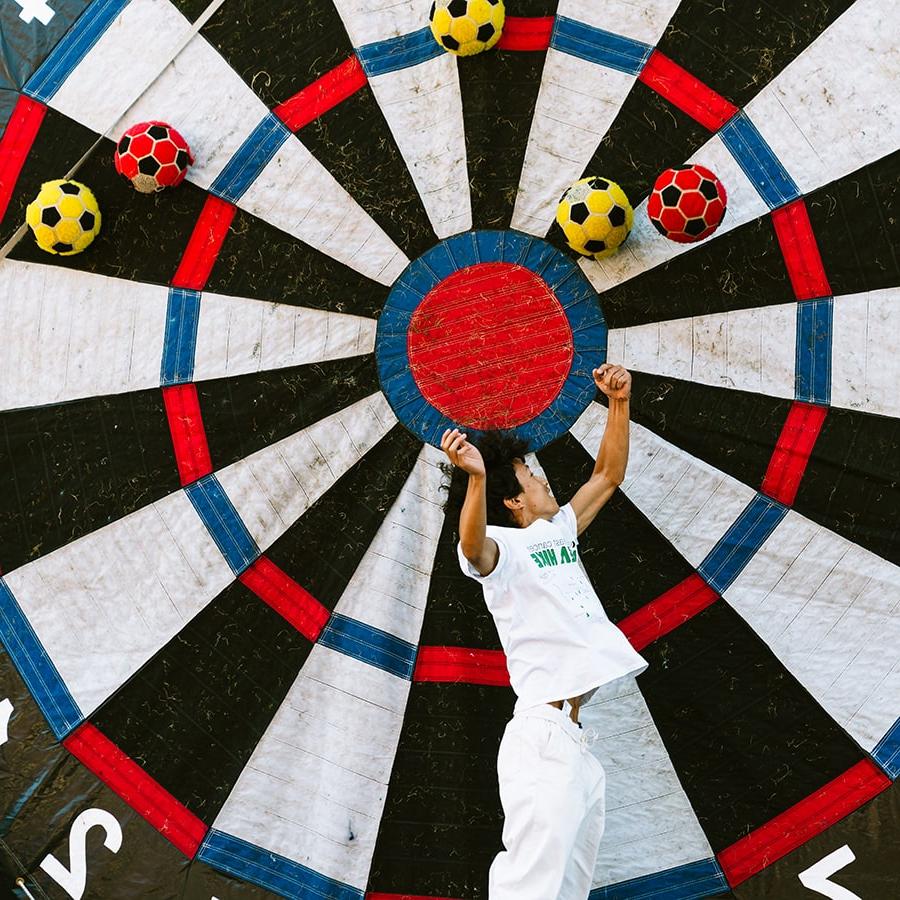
(240, 659)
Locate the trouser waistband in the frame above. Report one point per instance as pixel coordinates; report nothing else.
(552, 714)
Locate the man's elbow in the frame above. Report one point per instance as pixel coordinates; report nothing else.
(611, 477)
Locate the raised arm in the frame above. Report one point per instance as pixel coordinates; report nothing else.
(477, 548)
(612, 457)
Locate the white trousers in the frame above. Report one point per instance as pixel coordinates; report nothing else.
(553, 793)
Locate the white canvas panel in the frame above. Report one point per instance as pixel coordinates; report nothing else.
(297, 194)
(866, 352)
(747, 349)
(71, 334)
(577, 102)
(273, 487)
(389, 588)
(214, 120)
(236, 336)
(834, 108)
(95, 99)
(314, 788)
(368, 21)
(615, 346)
(207, 101)
(646, 807)
(643, 21)
(830, 611)
(104, 604)
(690, 502)
(423, 108)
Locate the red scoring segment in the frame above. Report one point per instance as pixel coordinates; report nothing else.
(804, 820)
(19, 135)
(149, 799)
(526, 33)
(490, 346)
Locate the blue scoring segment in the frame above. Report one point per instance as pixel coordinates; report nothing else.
(740, 543)
(72, 49)
(393, 54)
(369, 645)
(270, 870)
(614, 51)
(250, 159)
(691, 881)
(760, 164)
(36, 668)
(812, 378)
(180, 341)
(887, 751)
(574, 292)
(223, 522)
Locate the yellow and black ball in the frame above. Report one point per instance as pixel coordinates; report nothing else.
(64, 217)
(595, 216)
(464, 27)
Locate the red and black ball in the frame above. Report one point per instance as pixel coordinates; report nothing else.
(687, 203)
(153, 156)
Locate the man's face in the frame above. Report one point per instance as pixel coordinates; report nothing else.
(537, 500)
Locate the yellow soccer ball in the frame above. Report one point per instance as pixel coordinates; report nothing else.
(595, 216)
(64, 217)
(465, 27)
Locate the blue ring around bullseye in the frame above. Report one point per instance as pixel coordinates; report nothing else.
(574, 292)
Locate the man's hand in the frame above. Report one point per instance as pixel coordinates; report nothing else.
(614, 381)
(461, 453)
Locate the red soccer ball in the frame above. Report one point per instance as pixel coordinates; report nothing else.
(687, 203)
(153, 156)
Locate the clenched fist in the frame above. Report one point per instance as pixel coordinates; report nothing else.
(614, 381)
(461, 453)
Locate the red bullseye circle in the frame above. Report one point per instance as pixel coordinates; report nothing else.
(490, 346)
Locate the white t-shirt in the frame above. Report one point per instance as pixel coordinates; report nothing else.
(559, 642)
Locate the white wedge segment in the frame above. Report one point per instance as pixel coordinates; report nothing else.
(325, 761)
(294, 192)
(645, 21)
(650, 823)
(74, 334)
(646, 247)
(273, 487)
(834, 109)
(830, 611)
(125, 58)
(690, 502)
(866, 348)
(368, 21)
(315, 786)
(104, 604)
(423, 108)
(389, 588)
(820, 122)
(746, 350)
(577, 102)
(71, 335)
(236, 336)
(755, 350)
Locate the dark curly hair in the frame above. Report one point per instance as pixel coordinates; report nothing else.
(498, 449)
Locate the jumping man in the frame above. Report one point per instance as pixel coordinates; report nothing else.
(522, 547)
